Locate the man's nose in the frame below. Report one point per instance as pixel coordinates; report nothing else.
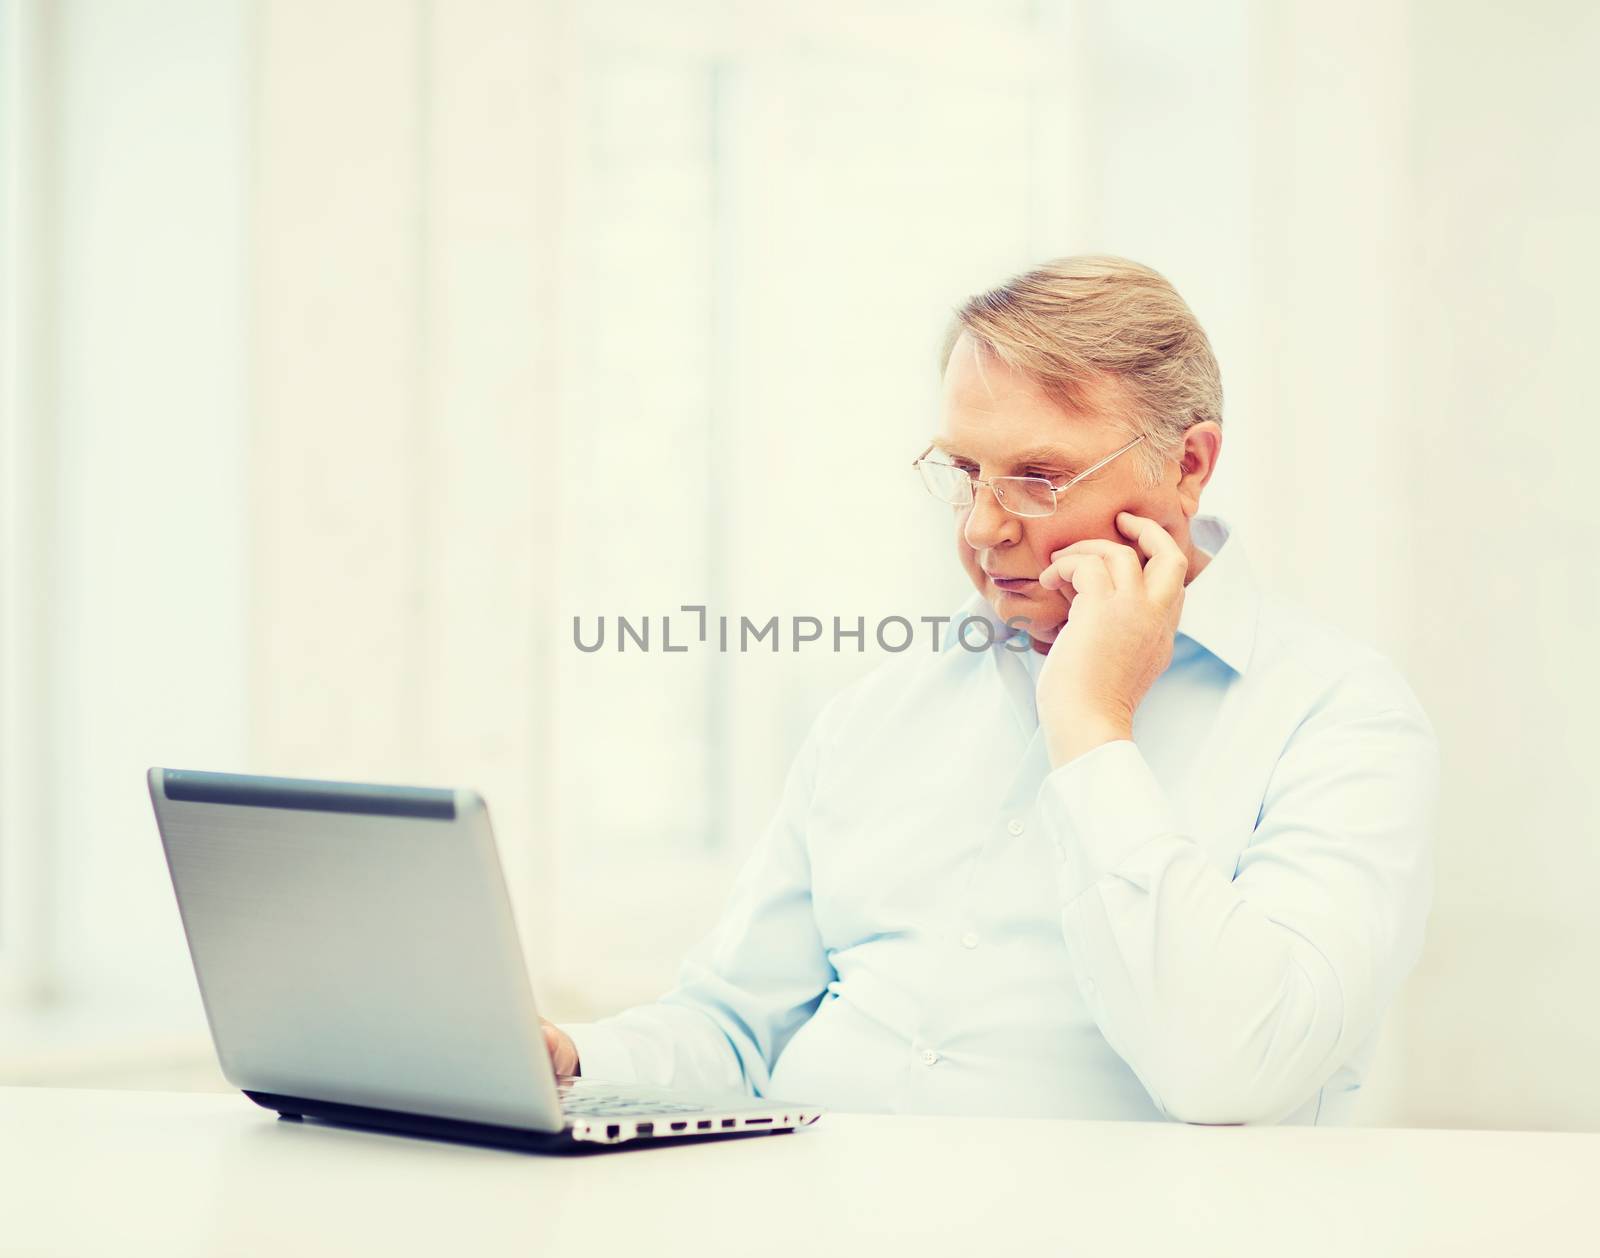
(988, 523)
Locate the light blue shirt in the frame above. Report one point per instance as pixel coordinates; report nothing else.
(1204, 923)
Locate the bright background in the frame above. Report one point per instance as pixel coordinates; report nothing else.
(352, 347)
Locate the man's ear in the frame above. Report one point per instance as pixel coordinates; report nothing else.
(1197, 462)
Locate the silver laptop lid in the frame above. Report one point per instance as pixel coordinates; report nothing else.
(355, 943)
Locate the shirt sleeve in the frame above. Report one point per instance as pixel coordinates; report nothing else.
(746, 988)
(1235, 999)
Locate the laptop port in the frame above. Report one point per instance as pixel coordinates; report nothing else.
(730, 1122)
(613, 1131)
(703, 1125)
(644, 1129)
(753, 1121)
(680, 1126)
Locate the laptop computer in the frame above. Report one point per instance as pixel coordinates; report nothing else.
(359, 964)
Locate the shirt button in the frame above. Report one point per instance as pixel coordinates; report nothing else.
(970, 939)
(1015, 825)
(929, 1057)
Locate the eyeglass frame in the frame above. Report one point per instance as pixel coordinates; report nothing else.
(974, 481)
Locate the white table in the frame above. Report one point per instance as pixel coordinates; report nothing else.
(85, 1172)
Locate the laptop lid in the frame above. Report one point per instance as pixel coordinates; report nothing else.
(355, 943)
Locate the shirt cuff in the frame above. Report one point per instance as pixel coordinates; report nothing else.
(1099, 809)
(601, 1053)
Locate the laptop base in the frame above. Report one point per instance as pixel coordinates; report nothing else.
(461, 1132)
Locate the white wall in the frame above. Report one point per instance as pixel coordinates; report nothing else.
(1501, 1023)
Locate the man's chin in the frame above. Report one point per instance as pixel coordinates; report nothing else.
(1032, 609)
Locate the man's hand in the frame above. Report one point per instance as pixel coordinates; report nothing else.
(1118, 636)
(563, 1052)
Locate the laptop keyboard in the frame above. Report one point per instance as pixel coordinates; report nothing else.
(589, 1104)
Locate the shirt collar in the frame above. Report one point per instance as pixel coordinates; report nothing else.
(1220, 606)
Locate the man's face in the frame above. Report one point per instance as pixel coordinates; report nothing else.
(997, 422)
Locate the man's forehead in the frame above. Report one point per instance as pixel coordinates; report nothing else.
(992, 410)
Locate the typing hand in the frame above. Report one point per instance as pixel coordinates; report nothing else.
(563, 1052)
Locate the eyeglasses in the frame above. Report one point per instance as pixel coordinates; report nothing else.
(1028, 496)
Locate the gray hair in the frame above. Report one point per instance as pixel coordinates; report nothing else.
(1074, 321)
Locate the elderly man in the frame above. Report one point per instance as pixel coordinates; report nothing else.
(1164, 854)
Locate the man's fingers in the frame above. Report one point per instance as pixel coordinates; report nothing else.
(1167, 566)
(1121, 560)
(1086, 573)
